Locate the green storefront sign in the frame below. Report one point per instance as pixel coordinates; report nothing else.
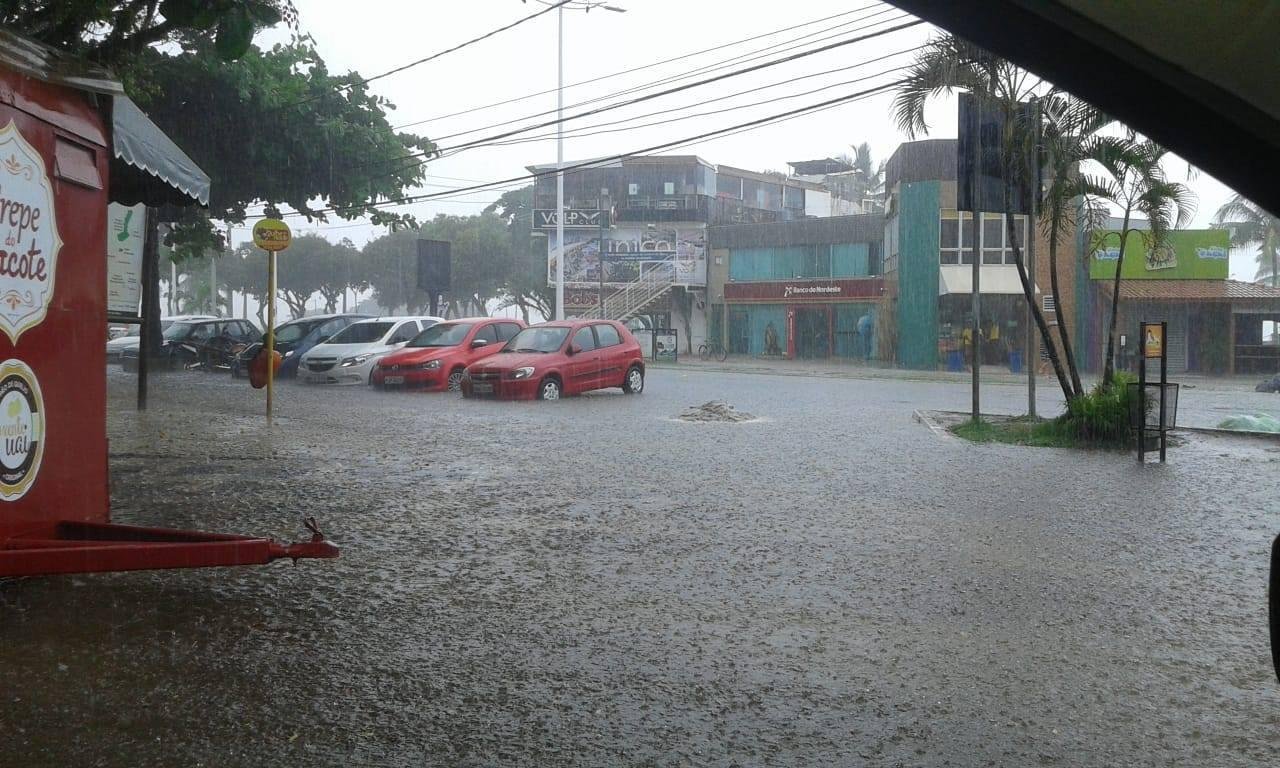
(1187, 254)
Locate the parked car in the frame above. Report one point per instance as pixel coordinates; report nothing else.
(349, 356)
(129, 340)
(293, 339)
(188, 343)
(437, 357)
(551, 360)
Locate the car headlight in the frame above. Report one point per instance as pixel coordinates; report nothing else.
(522, 373)
(430, 365)
(357, 360)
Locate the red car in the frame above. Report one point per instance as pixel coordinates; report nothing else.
(436, 357)
(550, 360)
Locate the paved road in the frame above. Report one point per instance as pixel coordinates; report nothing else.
(593, 583)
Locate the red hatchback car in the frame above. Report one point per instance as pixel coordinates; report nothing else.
(550, 360)
(436, 357)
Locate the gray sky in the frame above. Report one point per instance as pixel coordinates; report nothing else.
(389, 33)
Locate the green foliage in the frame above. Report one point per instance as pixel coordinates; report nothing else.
(1100, 418)
(525, 286)
(113, 31)
(1251, 225)
(1039, 434)
(312, 264)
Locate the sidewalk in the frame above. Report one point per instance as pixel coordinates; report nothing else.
(991, 374)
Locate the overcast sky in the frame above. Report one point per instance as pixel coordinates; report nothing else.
(385, 34)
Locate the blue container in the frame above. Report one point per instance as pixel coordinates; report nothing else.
(1015, 361)
(955, 361)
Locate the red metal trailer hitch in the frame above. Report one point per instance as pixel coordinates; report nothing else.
(86, 547)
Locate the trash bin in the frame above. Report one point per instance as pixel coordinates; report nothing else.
(1152, 420)
(955, 361)
(1015, 361)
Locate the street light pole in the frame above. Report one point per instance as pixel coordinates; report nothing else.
(560, 164)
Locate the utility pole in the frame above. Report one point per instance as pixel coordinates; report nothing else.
(560, 163)
(1029, 247)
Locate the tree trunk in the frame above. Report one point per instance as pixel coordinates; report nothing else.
(1028, 292)
(1109, 367)
(1063, 334)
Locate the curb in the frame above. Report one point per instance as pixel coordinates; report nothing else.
(925, 418)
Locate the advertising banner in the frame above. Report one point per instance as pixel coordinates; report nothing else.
(1187, 254)
(124, 258)
(628, 251)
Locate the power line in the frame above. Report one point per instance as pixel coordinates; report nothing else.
(728, 131)
(636, 69)
(586, 131)
(669, 91)
(438, 54)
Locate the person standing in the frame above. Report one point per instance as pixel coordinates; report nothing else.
(866, 327)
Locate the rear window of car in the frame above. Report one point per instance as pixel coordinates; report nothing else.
(608, 335)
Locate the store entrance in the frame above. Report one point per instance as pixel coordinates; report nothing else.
(813, 333)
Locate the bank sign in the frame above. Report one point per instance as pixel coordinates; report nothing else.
(800, 292)
(574, 218)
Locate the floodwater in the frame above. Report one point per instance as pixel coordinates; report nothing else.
(594, 582)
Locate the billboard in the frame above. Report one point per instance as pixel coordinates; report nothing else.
(1187, 254)
(629, 251)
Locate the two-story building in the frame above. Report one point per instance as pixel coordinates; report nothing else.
(648, 216)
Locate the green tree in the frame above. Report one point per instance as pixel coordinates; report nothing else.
(866, 181)
(1134, 180)
(525, 286)
(310, 265)
(948, 64)
(1250, 225)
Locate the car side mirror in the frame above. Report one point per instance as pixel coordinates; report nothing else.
(480, 343)
(573, 350)
(1273, 606)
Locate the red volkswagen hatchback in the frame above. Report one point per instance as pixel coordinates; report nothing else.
(561, 358)
(436, 358)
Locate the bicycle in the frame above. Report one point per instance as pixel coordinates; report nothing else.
(713, 349)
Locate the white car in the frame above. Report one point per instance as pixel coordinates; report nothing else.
(117, 346)
(349, 356)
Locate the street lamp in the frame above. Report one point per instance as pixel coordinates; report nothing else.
(584, 5)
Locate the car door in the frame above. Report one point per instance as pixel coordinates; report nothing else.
(584, 365)
(612, 355)
(488, 333)
(403, 333)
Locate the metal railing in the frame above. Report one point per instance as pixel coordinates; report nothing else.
(655, 280)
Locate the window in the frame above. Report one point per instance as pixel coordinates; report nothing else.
(993, 239)
(204, 331)
(608, 335)
(585, 339)
(507, 331)
(956, 237)
(488, 333)
(331, 327)
(632, 189)
(406, 331)
(668, 188)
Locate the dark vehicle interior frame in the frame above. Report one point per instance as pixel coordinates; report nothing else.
(1163, 72)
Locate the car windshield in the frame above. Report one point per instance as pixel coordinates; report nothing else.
(360, 333)
(177, 331)
(537, 340)
(442, 335)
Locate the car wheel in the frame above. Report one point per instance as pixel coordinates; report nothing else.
(633, 384)
(455, 380)
(549, 389)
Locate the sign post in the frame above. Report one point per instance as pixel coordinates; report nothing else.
(1153, 348)
(272, 236)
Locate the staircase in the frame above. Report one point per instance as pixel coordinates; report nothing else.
(631, 300)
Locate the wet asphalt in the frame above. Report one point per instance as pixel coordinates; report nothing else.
(596, 583)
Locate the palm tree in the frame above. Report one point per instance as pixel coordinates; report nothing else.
(865, 181)
(1250, 225)
(1136, 182)
(948, 64)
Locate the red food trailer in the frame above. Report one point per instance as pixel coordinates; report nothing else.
(70, 141)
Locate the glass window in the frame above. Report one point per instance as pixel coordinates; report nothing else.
(406, 331)
(507, 331)
(585, 339)
(488, 333)
(1020, 226)
(950, 232)
(968, 237)
(608, 335)
(204, 331)
(537, 339)
(668, 188)
(177, 331)
(632, 189)
(442, 335)
(360, 333)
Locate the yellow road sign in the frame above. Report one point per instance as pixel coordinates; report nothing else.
(1152, 340)
(271, 235)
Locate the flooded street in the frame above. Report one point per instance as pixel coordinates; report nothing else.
(596, 582)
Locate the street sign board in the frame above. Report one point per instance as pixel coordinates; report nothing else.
(574, 218)
(1152, 340)
(271, 235)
